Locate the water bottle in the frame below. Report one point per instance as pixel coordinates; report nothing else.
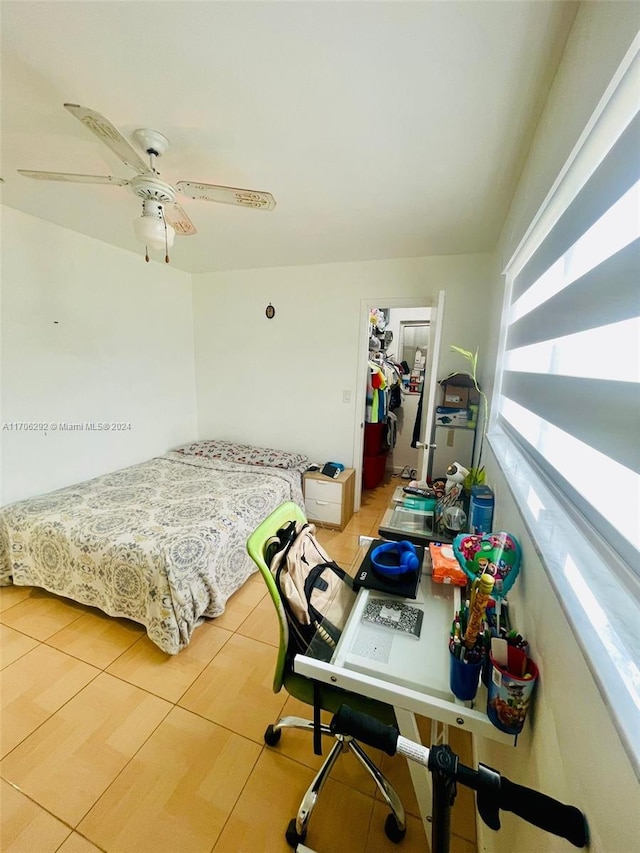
(481, 509)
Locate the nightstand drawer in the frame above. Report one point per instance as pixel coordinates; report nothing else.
(322, 490)
(328, 501)
(319, 510)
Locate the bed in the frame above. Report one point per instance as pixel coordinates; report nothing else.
(162, 543)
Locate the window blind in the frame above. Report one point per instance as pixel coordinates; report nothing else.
(570, 392)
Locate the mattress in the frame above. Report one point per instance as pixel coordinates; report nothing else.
(162, 543)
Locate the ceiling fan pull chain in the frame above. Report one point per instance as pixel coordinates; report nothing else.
(166, 238)
(146, 254)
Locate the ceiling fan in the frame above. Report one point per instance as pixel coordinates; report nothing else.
(162, 217)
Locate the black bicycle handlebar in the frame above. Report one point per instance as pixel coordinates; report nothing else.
(543, 811)
(361, 726)
(495, 792)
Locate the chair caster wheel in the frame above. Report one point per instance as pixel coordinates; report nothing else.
(292, 836)
(272, 736)
(392, 830)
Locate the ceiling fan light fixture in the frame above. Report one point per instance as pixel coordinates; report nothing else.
(162, 217)
(152, 230)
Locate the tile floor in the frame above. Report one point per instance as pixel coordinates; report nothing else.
(108, 744)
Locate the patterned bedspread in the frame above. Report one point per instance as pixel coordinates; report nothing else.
(162, 543)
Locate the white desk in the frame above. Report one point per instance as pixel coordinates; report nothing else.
(415, 680)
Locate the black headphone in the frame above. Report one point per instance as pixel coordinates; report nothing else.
(403, 555)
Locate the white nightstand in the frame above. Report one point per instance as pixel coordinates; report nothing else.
(329, 501)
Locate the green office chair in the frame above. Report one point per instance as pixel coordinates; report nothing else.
(316, 693)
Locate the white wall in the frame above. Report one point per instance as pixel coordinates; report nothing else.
(571, 751)
(280, 382)
(89, 333)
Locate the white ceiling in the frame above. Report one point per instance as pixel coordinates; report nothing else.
(384, 129)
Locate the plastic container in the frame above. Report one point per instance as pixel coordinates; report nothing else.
(509, 691)
(481, 509)
(463, 678)
(373, 468)
(424, 504)
(374, 435)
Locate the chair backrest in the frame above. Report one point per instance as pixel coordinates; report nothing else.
(256, 545)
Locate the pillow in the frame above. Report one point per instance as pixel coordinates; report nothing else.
(230, 451)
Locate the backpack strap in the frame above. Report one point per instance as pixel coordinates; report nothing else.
(317, 724)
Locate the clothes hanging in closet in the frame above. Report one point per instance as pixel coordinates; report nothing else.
(393, 375)
(395, 396)
(377, 404)
(392, 430)
(416, 426)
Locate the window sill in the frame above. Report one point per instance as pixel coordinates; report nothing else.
(600, 606)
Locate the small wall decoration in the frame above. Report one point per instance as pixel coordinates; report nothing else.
(270, 311)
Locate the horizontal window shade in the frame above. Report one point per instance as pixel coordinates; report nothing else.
(607, 494)
(616, 228)
(604, 415)
(566, 404)
(617, 173)
(570, 388)
(592, 354)
(607, 294)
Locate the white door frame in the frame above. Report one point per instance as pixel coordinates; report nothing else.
(361, 379)
(426, 445)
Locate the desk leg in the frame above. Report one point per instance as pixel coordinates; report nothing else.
(420, 776)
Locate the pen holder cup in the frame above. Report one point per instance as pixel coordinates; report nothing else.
(463, 678)
(487, 665)
(509, 691)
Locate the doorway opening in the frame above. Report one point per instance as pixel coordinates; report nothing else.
(399, 339)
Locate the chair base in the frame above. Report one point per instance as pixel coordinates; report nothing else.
(395, 825)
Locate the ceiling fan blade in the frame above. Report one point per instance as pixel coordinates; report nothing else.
(106, 132)
(76, 179)
(176, 217)
(228, 195)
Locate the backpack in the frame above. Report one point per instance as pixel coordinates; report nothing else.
(316, 593)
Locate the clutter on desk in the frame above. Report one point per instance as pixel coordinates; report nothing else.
(463, 677)
(404, 583)
(498, 554)
(508, 672)
(395, 559)
(390, 613)
(510, 689)
(446, 568)
(483, 643)
(499, 635)
(456, 475)
(480, 509)
(419, 503)
(419, 497)
(481, 590)
(454, 520)
(467, 645)
(449, 495)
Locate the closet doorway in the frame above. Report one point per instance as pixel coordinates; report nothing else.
(413, 323)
